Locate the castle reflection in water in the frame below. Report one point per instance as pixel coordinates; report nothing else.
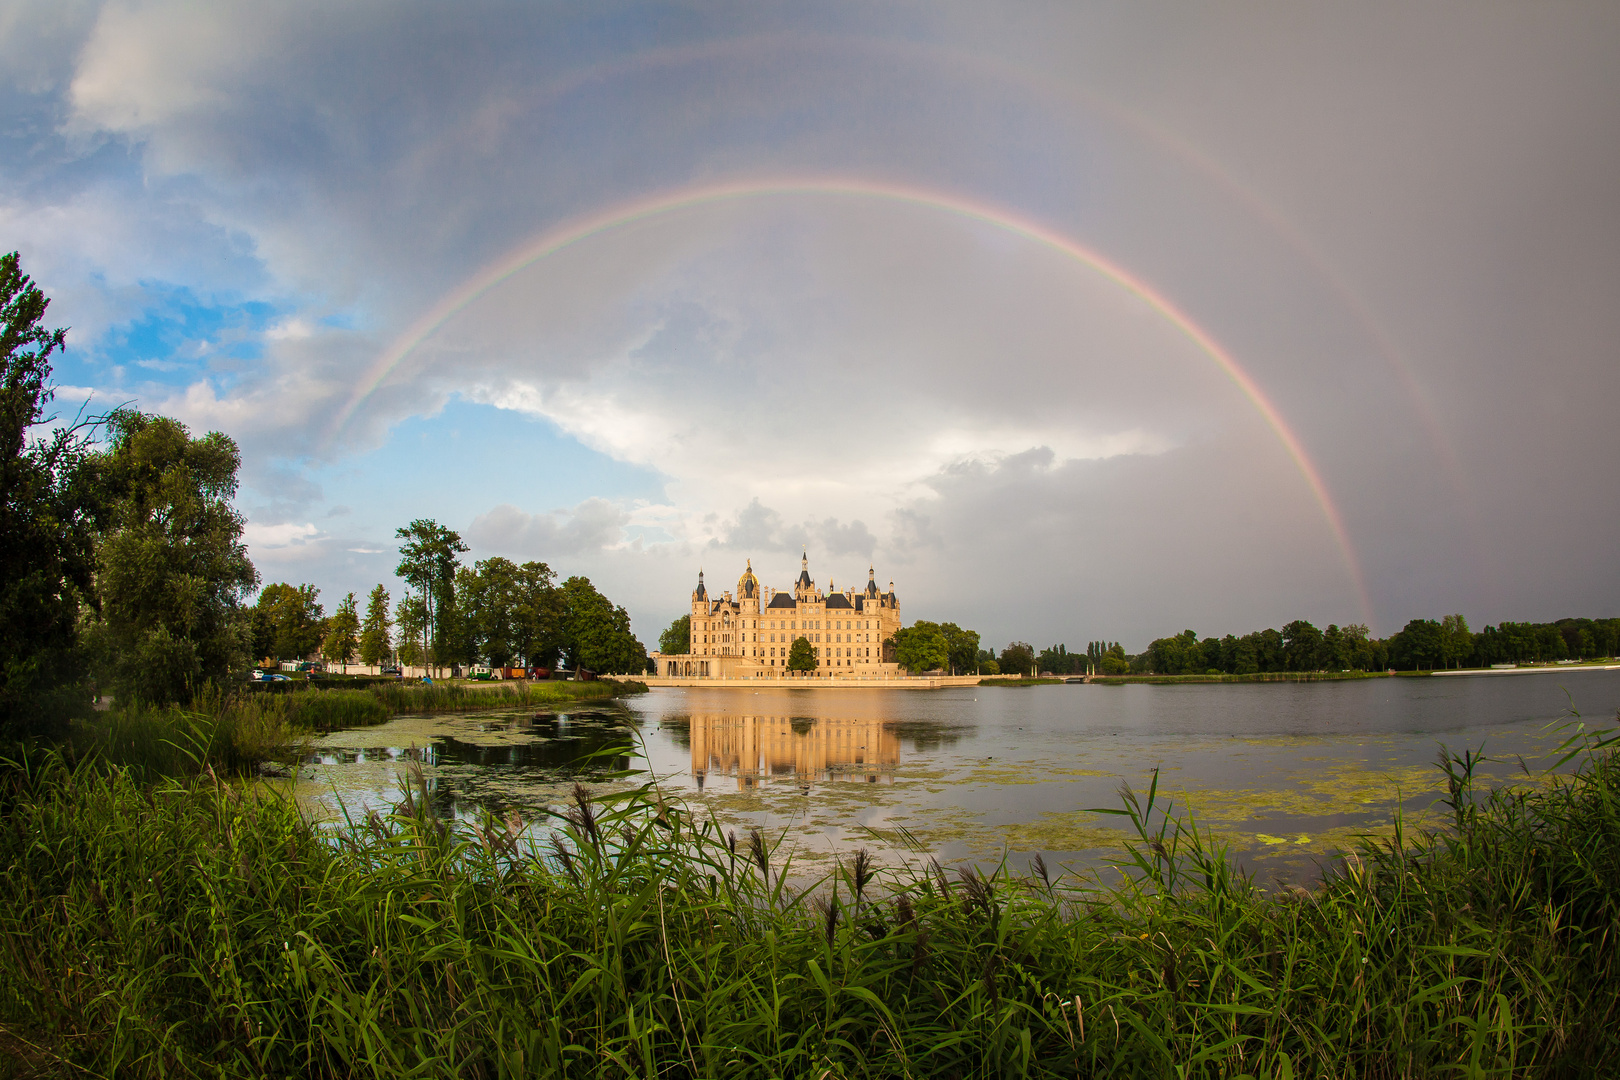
(757, 749)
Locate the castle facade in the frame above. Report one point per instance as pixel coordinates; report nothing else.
(749, 635)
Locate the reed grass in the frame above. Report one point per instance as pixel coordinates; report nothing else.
(189, 928)
(235, 733)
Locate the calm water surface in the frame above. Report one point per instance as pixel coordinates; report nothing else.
(1288, 772)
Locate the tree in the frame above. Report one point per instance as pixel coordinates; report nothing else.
(922, 646)
(172, 568)
(597, 634)
(539, 614)
(1018, 657)
(46, 537)
(1419, 645)
(427, 563)
(412, 620)
(677, 640)
(290, 619)
(802, 656)
(961, 648)
(488, 598)
(342, 633)
(1114, 661)
(1302, 646)
(376, 639)
(1456, 643)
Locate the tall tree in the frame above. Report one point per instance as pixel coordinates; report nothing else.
(961, 648)
(539, 612)
(427, 563)
(342, 633)
(46, 538)
(1017, 659)
(597, 634)
(289, 618)
(1302, 646)
(376, 637)
(172, 566)
(922, 646)
(411, 619)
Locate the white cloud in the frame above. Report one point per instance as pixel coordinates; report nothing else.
(288, 534)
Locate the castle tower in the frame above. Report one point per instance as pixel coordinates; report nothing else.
(804, 590)
(748, 592)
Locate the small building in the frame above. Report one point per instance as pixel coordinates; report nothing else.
(750, 635)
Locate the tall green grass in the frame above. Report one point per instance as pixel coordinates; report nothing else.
(187, 928)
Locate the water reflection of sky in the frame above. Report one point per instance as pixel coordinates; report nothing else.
(1286, 772)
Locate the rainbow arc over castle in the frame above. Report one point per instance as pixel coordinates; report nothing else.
(581, 230)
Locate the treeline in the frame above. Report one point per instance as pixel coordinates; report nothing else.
(493, 612)
(1422, 645)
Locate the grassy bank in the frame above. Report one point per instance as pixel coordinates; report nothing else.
(187, 929)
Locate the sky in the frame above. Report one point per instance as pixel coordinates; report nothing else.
(1076, 321)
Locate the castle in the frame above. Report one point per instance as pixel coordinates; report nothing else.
(749, 636)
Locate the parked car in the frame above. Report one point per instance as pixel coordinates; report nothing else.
(394, 671)
(481, 672)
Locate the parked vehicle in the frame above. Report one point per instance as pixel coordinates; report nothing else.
(481, 672)
(392, 670)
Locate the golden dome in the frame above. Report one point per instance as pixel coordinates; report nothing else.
(748, 584)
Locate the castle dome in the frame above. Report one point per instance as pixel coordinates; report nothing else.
(748, 584)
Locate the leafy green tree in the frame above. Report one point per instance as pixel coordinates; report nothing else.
(1302, 646)
(342, 633)
(412, 621)
(427, 563)
(802, 656)
(376, 634)
(1456, 642)
(922, 646)
(677, 639)
(488, 596)
(540, 610)
(597, 634)
(172, 565)
(290, 618)
(1419, 645)
(961, 648)
(46, 526)
(1017, 658)
(989, 667)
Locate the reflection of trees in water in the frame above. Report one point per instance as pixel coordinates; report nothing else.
(928, 735)
(755, 749)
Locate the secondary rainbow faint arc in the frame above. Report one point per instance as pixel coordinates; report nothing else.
(617, 217)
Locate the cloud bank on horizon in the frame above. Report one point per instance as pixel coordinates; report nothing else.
(1077, 323)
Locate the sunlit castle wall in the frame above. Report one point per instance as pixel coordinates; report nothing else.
(750, 635)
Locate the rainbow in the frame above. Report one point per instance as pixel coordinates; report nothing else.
(617, 217)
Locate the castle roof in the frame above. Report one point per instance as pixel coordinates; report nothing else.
(839, 600)
(781, 600)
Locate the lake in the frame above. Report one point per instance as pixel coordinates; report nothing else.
(1286, 772)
